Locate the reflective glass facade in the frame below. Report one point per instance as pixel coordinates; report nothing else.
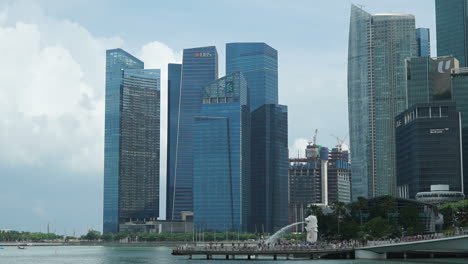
(173, 87)
(451, 28)
(131, 162)
(429, 80)
(376, 94)
(423, 41)
(139, 146)
(221, 151)
(199, 67)
(359, 101)
(460, 96)
(116, 59)
(269, 168)
(428, 148)
(259, 64)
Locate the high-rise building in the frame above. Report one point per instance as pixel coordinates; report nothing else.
(451, 28)
(259, 64)
(269, 168)
(428, 146)
(339, 176)
(221, 151)
(460, 96)
(429, 79)
(423, 41)
(308, 183)
(378, 46)
(199, 67)
(173, 90)
(131, 151)
(116, 60)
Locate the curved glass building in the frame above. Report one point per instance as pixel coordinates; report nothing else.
(378, 47)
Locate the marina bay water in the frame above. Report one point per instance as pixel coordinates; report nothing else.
(150, 255)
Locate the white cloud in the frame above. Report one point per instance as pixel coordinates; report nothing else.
(297, 149)
(51, 92)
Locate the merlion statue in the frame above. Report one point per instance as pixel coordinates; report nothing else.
(311, 228)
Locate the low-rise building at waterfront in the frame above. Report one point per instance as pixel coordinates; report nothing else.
(157, 226)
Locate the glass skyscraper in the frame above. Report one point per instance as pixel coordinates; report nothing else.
(378, 47)
(173, 87)
(423, 41)
(451, 28)
(429, 79)
(199, 67)
(270, 167)
(259, 64)
(131, 151)
(221, 151)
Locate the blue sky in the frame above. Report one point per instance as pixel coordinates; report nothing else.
(52, 84)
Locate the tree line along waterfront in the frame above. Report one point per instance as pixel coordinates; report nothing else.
(358, 221)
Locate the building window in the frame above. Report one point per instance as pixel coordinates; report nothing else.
(423, 112)
(435, 112)
(444, 111)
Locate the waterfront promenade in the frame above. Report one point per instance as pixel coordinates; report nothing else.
(442, 244)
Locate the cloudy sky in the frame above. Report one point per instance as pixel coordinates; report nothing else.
(52, 84)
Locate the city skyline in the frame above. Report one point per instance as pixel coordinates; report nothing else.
(81, 167)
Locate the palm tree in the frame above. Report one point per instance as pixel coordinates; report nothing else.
(361, 205)
(389, 205)
(315, 210)
(339, 210)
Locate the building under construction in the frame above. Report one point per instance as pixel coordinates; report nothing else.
(321, 178)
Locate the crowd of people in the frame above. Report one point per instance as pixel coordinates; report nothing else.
(306, 246)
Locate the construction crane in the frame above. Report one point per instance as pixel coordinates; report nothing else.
(340, 141)
(314, 142)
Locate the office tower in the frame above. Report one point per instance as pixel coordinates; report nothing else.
(423, 42)
(428, 148)
(173, 91)
(339, 176)
(199, 67)
(259, 64)
(269, 168)
(378, 47)
(116, 60)
(131, 152)
(221, 151)
(460, 96)
(451, 28)
(429, 79)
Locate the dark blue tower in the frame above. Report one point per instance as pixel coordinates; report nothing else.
(173, 87)
(259, 64)
(199, 67)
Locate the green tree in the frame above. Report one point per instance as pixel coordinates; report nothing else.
(350, 230)
(409, 220)
(92, 235)
(339, 211)
(378, 227)
(360, 206)
(390, 206)
(315, 210)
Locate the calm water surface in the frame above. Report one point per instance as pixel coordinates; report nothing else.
(154, 255)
